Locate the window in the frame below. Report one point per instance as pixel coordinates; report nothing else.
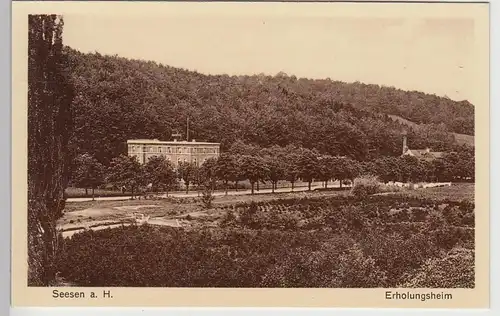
(159, 149)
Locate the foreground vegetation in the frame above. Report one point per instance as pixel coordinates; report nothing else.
(340, 241)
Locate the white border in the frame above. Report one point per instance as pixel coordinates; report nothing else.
(5, 172)
(5, 155)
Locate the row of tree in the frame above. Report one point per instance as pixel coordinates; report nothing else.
(271, 165)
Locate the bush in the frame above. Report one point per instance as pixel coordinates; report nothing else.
(455, 270)
(341, 241)
(366, 185)
(207, 198)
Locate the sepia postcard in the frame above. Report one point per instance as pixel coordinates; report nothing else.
(250, 154)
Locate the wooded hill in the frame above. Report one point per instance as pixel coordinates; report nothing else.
(118, 99)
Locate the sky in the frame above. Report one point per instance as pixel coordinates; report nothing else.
(434, 55)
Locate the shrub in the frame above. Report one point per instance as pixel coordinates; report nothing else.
(207, 198)
(340, 241)
(366, 185)
(455, 270)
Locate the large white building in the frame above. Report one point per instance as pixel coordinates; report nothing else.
(176, 151)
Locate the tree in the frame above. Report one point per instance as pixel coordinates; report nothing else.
(253, 169)
(275, 170)
(208, 173)
(308, 162)
(388, 169)
(50, 93)
(227, 169)
(409, 168)
(88, 173)
(438, 170)
(126, 171)
(160, 173)
(351, 170)
(241, 148)
(325, 169)
(187, 171)
(291, 166)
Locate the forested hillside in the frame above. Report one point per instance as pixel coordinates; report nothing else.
(118, 99)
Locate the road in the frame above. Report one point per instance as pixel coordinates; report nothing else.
(217, 193)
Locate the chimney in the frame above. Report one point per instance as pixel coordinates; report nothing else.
(405, 147)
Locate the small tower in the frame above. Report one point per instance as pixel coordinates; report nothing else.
(405, 144)
(176, 136)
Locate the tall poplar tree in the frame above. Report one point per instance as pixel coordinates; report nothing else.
(50, 95)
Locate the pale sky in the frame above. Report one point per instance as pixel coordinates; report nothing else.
(431, 55)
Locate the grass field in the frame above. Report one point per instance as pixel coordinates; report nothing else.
(456, 192)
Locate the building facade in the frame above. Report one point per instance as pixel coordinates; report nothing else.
(424, 154)
(175, 151)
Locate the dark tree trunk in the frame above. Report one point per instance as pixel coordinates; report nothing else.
(93, 195)
(253, 184)
(293, 184)
(225, 187)
(309, 185)
(86, 192)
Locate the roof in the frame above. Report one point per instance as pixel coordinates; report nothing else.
(160, 142)
(425, 154)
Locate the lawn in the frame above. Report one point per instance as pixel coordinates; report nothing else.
(455, 192)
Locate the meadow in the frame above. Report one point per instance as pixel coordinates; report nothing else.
(342, 241)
